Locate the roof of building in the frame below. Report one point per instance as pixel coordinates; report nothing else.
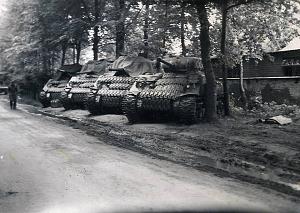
(293, 45)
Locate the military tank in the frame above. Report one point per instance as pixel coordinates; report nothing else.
(50, 94)
(107, 94)
(76, 92)
(176, 94)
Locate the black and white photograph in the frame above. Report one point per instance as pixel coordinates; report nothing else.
(139, 106)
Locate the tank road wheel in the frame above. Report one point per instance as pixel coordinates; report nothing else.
(129, 108)
(44, 100)
(65, 101)
(91, 105)
(188, 110)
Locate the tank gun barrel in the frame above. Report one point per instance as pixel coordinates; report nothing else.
(160, 60)
(117, 69)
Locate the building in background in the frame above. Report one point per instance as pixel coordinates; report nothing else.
(275, 78)
(285, 62)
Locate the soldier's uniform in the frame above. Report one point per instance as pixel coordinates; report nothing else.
(12, 92)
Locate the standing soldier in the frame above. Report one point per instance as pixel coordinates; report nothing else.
(12, 92)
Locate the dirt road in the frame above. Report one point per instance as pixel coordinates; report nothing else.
(49, 167)
(236, 147)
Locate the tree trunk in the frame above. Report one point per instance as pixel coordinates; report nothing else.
(165, 24)
(64, 47)
(146, 28)
(211, 94)
(242, 89)
(182, 28)
(44, 47)
(74, 53)
(120, 27)
(44, 58)
(224, 57)
(44, 52)
(78, 51)
(96, 30)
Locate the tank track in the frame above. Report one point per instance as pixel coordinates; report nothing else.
(111, 100)
(116, 79)
(176, 89)
(44, 100)
(55, 103)
(188, 109)
(129, 108)
(65, 101)
(83, 81)
(79, 98)
(155, 100)
(91, 105)
(120, 86)
(87, 85)
(58, 82)
(172, 81)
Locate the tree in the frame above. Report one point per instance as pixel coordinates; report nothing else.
(266, 14)
(182, 28)
(120, 27)
(146, 28)
(96, 30)
(226, 5)
(205, 38)
(211, 93)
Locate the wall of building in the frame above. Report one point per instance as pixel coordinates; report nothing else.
(278, 89)
(264, 68)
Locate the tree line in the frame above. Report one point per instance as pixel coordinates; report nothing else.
(38, 36)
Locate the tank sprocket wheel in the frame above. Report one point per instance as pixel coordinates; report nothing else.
(129, 108)
(188, 109)
(44, 100)
(65, 101)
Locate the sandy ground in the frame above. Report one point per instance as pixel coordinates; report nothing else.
(50, 167)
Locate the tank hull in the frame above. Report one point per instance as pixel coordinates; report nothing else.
(177, 95)
(110, 89)
(75, 97)
(50, 94)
